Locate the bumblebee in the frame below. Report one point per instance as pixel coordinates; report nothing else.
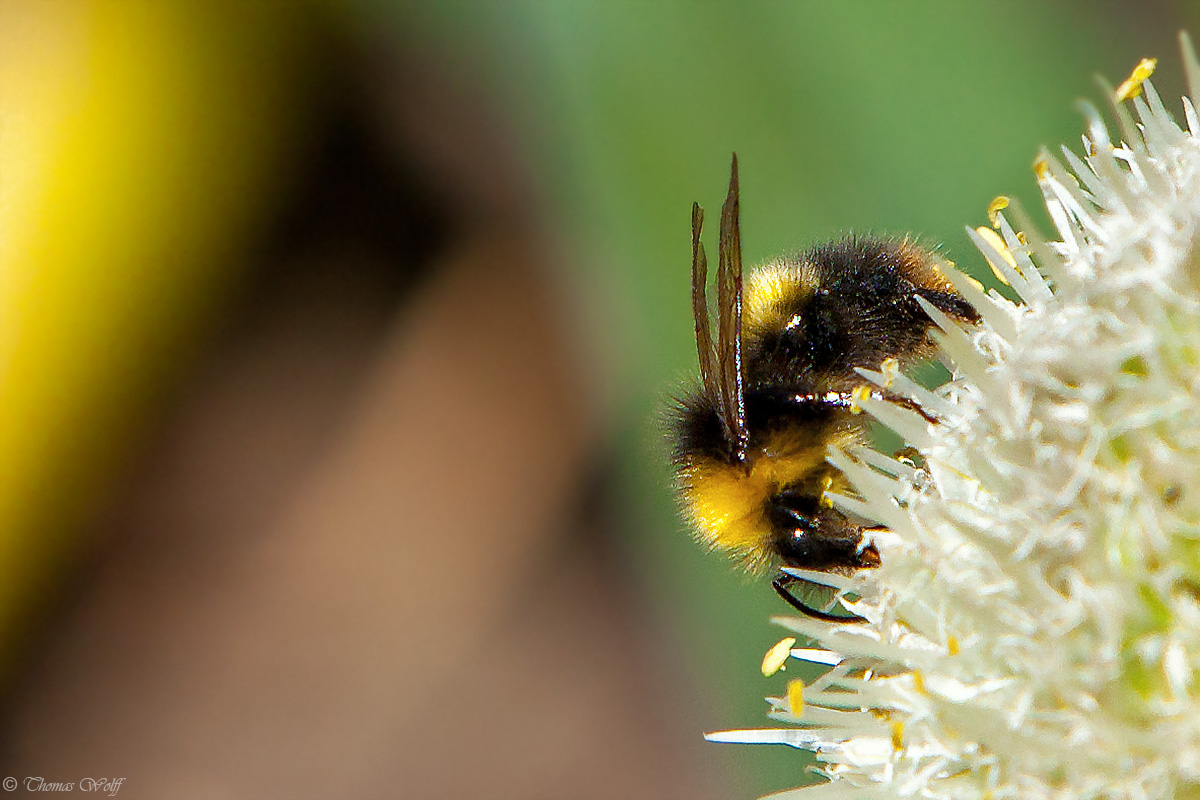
(776, 391)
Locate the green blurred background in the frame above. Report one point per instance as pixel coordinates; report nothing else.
(151, 149)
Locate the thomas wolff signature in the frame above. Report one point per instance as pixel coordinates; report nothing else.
(109, 786)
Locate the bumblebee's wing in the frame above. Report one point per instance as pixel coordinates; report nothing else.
(729, 320)
(704, 341)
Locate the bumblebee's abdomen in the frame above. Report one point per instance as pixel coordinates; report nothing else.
(732, 505)
(729, 505)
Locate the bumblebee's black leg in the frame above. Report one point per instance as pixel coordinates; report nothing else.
(848, 400)
(781, 583)
(911, 405)
(814, 406)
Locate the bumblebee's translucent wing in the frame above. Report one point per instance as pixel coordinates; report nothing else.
(729, 319)
(704, 341)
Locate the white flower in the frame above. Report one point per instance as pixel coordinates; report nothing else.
(1034, 628)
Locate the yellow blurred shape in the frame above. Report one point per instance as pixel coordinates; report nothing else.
(137, 145)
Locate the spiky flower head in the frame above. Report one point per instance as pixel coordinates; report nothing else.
(1034, 628)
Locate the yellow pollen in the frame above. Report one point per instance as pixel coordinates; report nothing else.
(1041, 169)
(994, 209)
(776, 657)
(897, 735)
(857, 395)
(993, 238)
(795, 697)
(826, 485)
(918, 682)
(890, 369)
(952, 646)
(1132, 86)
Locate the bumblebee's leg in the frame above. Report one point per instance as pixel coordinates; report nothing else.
(781, 584)
(904, 402)
(844, 400)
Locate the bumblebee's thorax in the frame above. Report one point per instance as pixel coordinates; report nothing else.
(812, 319)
